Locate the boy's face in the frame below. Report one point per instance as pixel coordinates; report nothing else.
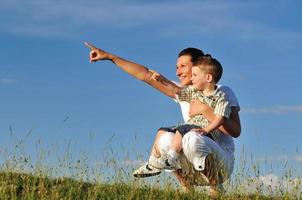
(199, 78)
(183, 69)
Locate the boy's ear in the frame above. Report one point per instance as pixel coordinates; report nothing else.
(209, 78)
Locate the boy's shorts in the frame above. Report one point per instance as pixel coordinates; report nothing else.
(183, 129)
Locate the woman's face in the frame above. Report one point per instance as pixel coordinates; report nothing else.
(183, 69)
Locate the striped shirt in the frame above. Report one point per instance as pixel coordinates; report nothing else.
(217, 101)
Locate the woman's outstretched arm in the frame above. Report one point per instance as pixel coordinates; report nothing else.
(138, 71)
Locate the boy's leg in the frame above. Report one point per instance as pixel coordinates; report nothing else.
(161, 146)
(155, 151)
(163, 142)
(177, 142)
(171, 160)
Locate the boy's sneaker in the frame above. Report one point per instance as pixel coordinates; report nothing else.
(164, 162)
(158, 163)
(146, 171)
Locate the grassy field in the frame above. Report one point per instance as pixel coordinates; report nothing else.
(53, 174)
(25, 186)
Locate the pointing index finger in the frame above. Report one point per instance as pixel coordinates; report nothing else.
(90, 46)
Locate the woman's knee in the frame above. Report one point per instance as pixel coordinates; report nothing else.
(193, 142)
(190, 139)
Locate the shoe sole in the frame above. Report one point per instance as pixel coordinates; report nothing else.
(146, 175)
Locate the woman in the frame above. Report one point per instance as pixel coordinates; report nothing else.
(191, 142)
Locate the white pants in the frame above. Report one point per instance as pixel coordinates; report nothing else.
(196, 147)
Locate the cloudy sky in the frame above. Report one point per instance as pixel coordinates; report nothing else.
(51, 93)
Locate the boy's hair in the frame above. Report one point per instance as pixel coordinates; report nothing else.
(209, 65)
(193, 52)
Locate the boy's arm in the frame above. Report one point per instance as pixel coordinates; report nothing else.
(231, 126)
(138, 71)
(214, 124)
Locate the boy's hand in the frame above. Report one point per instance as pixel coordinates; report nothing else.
(96, 54)
(198, 130)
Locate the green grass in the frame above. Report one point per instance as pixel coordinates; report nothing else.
(53, 173)
(25, 186)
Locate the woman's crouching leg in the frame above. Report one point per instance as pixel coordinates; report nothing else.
(207, 157)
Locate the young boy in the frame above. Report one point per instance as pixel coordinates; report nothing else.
(206, 73)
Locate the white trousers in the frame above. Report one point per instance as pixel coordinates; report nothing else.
(196, 147)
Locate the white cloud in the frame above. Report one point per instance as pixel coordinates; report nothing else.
(133, 162)
(280, 109)
(271, 184)
(280, 158)
(125, 163)
(7, 80)
(297, 158)
(183, 18)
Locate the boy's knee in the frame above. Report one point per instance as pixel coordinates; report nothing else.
(160, 133)
(164, 141)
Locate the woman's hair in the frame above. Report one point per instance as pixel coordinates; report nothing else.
(193, 52)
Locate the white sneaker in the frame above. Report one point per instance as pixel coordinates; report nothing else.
(164, 162)
(158, 163)
(146, 171)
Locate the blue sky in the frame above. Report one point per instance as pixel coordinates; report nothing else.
(49, 87)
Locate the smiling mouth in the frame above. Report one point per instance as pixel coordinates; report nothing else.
(182, 77)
